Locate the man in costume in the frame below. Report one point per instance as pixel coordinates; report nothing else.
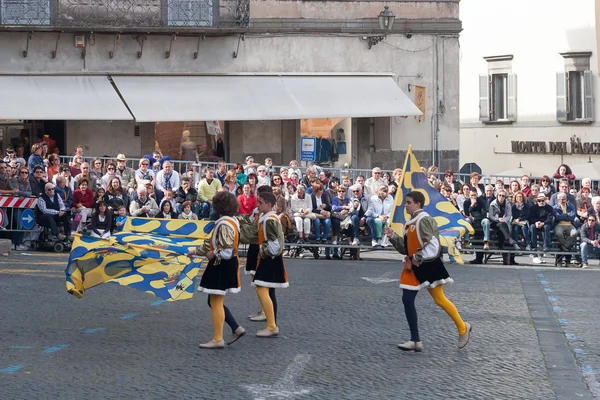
(423, 268)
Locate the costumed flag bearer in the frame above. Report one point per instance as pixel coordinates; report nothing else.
(423, 268)
(222, 272)
(270, 271)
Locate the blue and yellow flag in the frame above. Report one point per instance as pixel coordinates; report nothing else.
(149, 255)
(452, 225)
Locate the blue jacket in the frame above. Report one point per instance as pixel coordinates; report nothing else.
(65, 194)
(569, 216)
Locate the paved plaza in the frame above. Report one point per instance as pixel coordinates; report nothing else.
(535, 336)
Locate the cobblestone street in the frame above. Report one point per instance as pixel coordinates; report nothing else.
(534, 337)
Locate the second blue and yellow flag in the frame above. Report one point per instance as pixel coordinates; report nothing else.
(452, 225)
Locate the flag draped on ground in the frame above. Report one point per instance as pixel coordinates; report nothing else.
(149, 255)
(452, 225)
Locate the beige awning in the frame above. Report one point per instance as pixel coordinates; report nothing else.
(256, 97)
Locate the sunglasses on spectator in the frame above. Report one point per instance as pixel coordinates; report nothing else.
(356, 191)
(110, 169)
(341, 191)
(145, 163)
(592, 219)
(49, 190)
(10, 152)
(501, 195)
(544, 180)
(23, 172)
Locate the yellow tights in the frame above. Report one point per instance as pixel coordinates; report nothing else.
(218, 316)
(267, 306)
(440, 299)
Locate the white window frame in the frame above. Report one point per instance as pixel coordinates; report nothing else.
(575, 63)
(488, 90)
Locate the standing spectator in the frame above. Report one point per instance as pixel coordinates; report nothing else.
(301, 211)
(397, 175)
(207, 188)
(144, 174)
(541, 216)
(564, 172)
(166, 179)
(54, 166)
(263, 179)
(6, 187)
(546, 186)
(590, 239)
(250, 166)
(221, 172)
(474, 178)
(126, 174)
(520, 221)
(374, 182)
(83, 204)
(102, 221)
(294, 169)
(143, 205)
(360, 205)
(37, 181)
(500, 215)
(269, 166)
(35, 158)
(247, 200)
(115, 195)
(378, 215)
(187, 193)
(157, 160)
(97, 170)
(564, 216)
(52, 212)
(23, 184)
(281, 211)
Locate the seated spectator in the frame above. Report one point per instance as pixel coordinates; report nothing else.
(311, 174)
(378, 215)
(584, 203)
(83, 204)
(332, 187)
(269, 166)
(102, 221)
(115, 195)
(285, 176)
(64, 191)
(499, 186)
(207, 188)
(97, 170)
(11, 171)
(449, 178)
(247, 200)
(546, 186)
(144, 174)
(590, 236)
(121, 219)
(186, 212)
(476, 211)
(446, 191)
(143, 205)
(99, 195)
(535, 190)
(109, 175)
(187, 193)
(500, 215)
(563, 187)
(37, 182)
(513, 188)
(520, 219)
(293, 169)
(166, 179)
(564, 230)
(52, 212)
(23, 184)
(6, 186)
(166, 211)
(250, 166)
(230, 185)
(276, 181)
(35, 158)
(463, 195)
(221, 173)
(360, 205)
(126, 174)
(301, 211)
(85, 173)
(341, 207)
(525, 188)
(240, 177)
(393, 188)
(324, 178)
(541, 216)
(281, 211)
(65, 172)
(321, 207)
(263, 178)
(595, 207)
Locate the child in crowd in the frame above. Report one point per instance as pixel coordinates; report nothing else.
(269, 166)
(294, 170)
(170, 197)
(186, 211)
(99, 195)
(121, 218)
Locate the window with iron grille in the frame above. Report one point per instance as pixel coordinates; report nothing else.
(25, 12)
(191, 12)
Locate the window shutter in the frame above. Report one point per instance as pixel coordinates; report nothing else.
(484, 98)
(561, 97)
(191, 12)
(511, 113)
(588, 93)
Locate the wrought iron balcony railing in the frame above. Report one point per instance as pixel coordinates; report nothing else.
(125, 13)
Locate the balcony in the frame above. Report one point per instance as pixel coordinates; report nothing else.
(123, 14)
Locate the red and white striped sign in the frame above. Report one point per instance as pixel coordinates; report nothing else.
(18, 202)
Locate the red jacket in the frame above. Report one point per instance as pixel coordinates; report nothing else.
(86, 199)
(246, 204)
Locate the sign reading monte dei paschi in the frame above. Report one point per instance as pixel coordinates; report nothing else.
(574, 146)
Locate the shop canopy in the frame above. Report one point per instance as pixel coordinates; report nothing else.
(60, 98)
(258, 97)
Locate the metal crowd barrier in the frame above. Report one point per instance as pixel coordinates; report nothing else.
(17, 217)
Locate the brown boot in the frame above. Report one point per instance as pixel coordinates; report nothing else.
(486, 245)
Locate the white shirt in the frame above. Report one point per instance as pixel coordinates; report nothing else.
(378, 207)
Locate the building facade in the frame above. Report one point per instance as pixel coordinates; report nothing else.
(529, 87)
(262, 69)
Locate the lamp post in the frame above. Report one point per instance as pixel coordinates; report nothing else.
(386, 22)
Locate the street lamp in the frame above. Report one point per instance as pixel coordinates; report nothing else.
(386, 19)
(386, 22)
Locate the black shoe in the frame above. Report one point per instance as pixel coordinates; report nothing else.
(337, 257)
(300, 241)
(328, 257)
(476, 261)
(513, 262)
